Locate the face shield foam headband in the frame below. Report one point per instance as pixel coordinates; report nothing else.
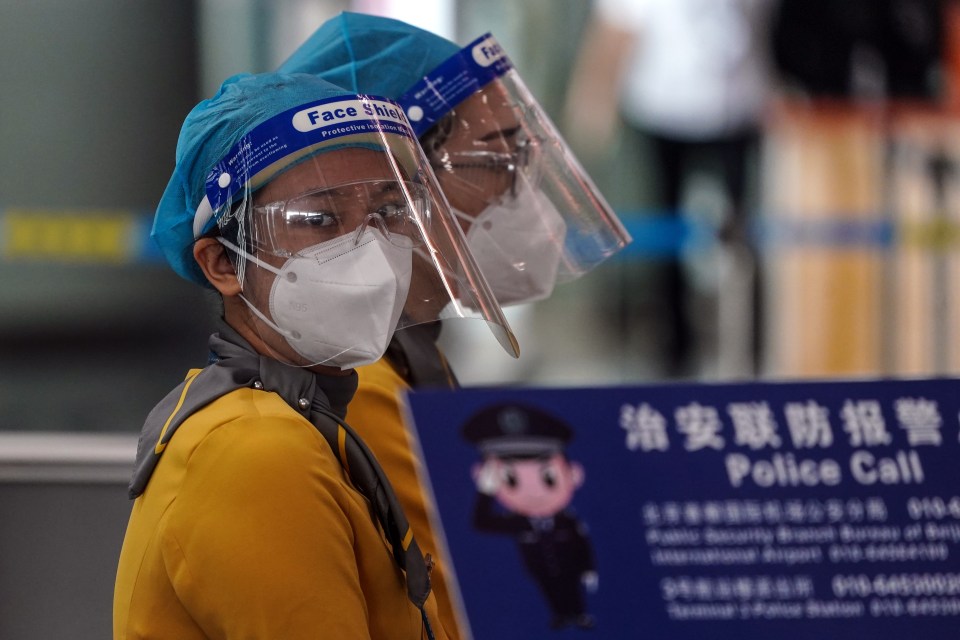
(280, 142)
(476, 97)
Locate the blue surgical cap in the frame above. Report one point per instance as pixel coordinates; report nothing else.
(208, 133)
(370, 54)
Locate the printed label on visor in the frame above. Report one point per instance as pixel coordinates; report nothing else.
(460, 76)
(296, 129)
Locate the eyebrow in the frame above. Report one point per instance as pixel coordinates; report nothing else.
(500, 133)
(387, 186)
(391, 185)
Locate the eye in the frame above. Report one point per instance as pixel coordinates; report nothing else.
(391, 210)
(312, 218)
(549, 476)
(510, 477)
(505, 134)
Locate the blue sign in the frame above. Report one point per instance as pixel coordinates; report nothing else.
(767, 510)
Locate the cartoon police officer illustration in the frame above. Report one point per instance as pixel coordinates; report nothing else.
(525, 484)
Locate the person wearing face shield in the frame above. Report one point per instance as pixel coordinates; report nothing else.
(258, 510)
(531, 216)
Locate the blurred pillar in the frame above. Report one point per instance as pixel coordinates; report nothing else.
(823, 175)
(925, 314)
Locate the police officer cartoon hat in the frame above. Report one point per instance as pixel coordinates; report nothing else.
(516, 430)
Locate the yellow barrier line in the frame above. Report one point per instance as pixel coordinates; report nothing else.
(97, 236)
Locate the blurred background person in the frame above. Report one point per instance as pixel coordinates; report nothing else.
(690, 79)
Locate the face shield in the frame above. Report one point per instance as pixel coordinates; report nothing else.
(531, 214)
(339, 236)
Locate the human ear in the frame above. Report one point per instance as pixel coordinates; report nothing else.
(216, 266)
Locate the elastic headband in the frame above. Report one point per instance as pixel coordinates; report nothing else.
(453, 81)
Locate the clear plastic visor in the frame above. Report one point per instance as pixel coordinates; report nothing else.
(497, 149)
(337, 250)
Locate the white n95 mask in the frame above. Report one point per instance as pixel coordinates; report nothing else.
(517, 244)
(337, 303)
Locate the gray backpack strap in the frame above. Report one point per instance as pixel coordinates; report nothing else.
(191, 395)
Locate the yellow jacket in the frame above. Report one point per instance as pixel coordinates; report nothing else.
(249, 528)
(375, 414)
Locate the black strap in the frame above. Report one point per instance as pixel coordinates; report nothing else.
(414, 354)
(364, 471)
(368, 477)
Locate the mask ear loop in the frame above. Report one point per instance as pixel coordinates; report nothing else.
(248, 256)
(260, 263)
(466, 217)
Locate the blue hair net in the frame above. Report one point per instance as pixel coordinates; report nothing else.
(208, 133)
(370, 54)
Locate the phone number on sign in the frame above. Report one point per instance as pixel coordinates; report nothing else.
(898, 584)
(934, 508)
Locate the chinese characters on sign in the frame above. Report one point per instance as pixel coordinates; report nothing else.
(755, 428)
